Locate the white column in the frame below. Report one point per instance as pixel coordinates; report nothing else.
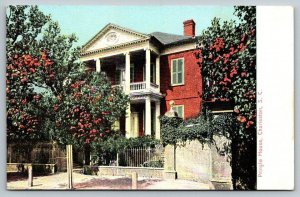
(127, 73)
(128, 122)
(127, 91)
(148, 116)
(148, 71)
(157, 121)
(157, 72)
(98, 65)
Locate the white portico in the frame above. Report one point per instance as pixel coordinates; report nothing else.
(130, 60)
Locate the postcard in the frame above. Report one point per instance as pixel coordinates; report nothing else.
(150, 98)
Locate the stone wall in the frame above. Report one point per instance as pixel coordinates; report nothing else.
(198, 162)
(193, 161)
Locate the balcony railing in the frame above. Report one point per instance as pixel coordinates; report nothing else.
(138, 86)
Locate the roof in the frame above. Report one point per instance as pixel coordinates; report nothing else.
(170, 39)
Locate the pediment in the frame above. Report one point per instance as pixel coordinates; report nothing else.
(112, 36)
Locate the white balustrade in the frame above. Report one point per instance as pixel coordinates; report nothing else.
(137, 86)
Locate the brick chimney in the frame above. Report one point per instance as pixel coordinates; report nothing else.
(189, 28)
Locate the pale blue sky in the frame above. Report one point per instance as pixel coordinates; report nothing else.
(86, 21)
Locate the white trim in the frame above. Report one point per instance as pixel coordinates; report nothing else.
(114, 51)
(179, 48)
(182, 109)
(106, 28)
(177, 84)
(222, 111)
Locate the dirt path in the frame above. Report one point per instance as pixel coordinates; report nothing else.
(93, 182)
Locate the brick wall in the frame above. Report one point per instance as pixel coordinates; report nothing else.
(188, 94)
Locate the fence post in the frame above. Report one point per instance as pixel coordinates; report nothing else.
(134, 178)
(30, 177)
(70, 166)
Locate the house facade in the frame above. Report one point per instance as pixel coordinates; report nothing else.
(153, 69)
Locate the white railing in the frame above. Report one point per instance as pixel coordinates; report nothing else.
(137, 86)
(142, 86)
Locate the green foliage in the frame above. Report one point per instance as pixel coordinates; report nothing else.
(169, 132)
(227, 57)
(86, 109)
(48, 89)
(117, 143)
(176, 131)
(23, 25)
(154, 164)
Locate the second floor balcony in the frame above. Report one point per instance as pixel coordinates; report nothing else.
(136, 72)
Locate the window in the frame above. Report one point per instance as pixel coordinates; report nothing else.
(180, 110)
(177, 72)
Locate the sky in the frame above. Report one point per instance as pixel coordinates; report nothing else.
(86, 21)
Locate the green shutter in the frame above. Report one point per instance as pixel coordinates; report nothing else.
(174, 64)
(177, 71)
(174, 77)
(180, 63)
(179, 78)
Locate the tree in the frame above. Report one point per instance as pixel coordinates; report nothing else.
(227, 56)
(24, 24)
(23, 117)
(86, 109)
(61, 99)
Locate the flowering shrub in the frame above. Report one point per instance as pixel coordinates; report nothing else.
(227, 57)
(49, 95)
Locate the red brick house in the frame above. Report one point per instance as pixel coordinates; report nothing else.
(152, 69)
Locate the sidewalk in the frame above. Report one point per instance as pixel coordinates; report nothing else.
(93, 182)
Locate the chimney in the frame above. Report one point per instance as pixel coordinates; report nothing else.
(189, 28)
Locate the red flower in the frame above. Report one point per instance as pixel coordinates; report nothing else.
(52, 76)
(242, 119)
(32, 70)
(24, 101)
(226, 79)
(217, 59)
(87, 141)
(23, 80)
(244, 74)
(36, 97)
(105, 113)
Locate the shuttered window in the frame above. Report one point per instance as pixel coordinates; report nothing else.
(177, 71)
